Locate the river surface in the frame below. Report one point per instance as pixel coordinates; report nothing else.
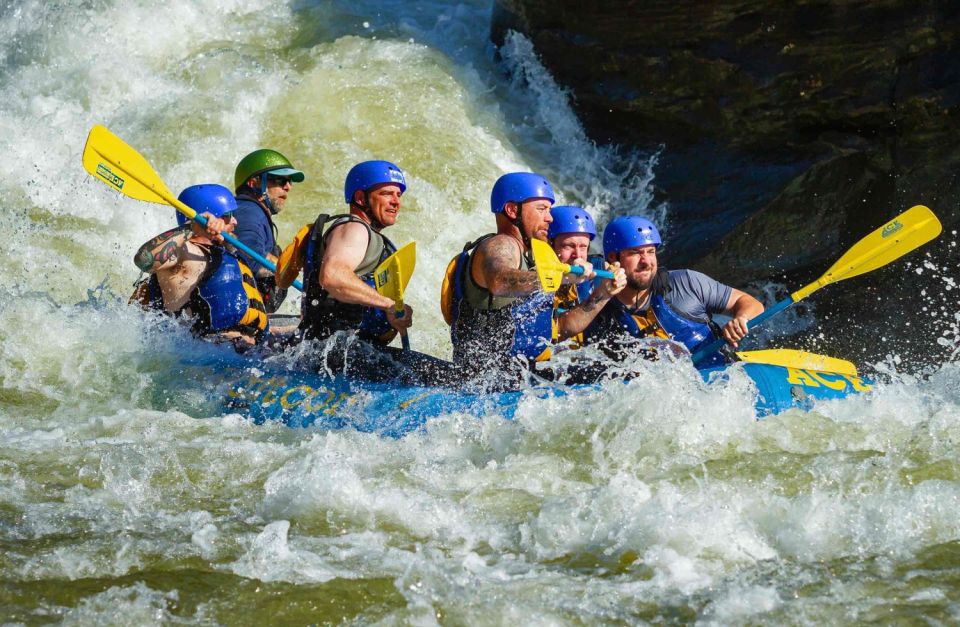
(661, 501)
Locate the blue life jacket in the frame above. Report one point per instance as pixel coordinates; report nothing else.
(662, 320)
(227, 293)
(225, 299)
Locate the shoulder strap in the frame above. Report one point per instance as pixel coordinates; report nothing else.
(471, 245)
(661, 282)
(318, 225)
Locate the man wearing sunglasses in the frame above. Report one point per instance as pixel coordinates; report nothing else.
(192, 274)
(262, 180)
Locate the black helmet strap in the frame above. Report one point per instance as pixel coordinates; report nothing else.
(366, 209)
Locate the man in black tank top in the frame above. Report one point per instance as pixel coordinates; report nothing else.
(504, 319)
(341, 304)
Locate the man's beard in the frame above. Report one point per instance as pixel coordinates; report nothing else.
(639, 285)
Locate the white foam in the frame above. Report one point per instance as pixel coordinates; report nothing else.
(137, 604)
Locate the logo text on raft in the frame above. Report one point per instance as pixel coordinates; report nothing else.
(833, 381)
(107, 175)
(277, 391)
(891, 228)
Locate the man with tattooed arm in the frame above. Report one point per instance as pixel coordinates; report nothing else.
(194, 276)
(500, 318)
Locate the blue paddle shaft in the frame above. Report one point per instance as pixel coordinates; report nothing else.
(238, 244)
(716, 345)
(603, 274)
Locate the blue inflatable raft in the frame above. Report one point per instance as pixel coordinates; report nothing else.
(304, 399)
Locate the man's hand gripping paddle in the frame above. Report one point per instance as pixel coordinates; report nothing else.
(392, 276)
(113, 161)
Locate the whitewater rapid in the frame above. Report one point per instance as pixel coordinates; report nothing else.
(663, 500)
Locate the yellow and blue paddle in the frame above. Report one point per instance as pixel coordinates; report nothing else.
(113, 161)
(392, 276)
(909, 230)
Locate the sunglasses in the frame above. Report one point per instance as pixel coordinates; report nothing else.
(226, 217)
(279, 180)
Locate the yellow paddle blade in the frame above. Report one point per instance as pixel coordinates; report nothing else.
(393, 274)
(790, 358)
(550, 270)
(113, 161)
(909, 230)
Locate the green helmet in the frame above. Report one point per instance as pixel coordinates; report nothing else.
(265, 160)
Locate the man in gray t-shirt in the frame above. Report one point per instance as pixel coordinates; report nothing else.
(674, 304)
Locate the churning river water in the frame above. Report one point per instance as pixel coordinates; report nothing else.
(662, 501)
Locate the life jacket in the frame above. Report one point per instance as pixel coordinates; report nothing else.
(494, 325)
(565, 299)
(322, 315)
(569, 296)
(226, 297)
(663, 321)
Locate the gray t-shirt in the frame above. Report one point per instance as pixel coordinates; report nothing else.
(696, 294)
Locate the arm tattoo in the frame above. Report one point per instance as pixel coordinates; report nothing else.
(501, 255)
(502, 260)
(168, 252)
(148, 257)
(524, 281)
(143, 259)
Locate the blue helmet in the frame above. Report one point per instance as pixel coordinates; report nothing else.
(209, 197)
(629, 232)
(519, 187)
(367, 174)
(567, 219)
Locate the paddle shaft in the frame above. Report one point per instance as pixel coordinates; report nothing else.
(234, 242)
(404, 338)
(603, 274)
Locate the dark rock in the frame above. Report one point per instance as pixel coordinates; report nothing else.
(789, 131)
